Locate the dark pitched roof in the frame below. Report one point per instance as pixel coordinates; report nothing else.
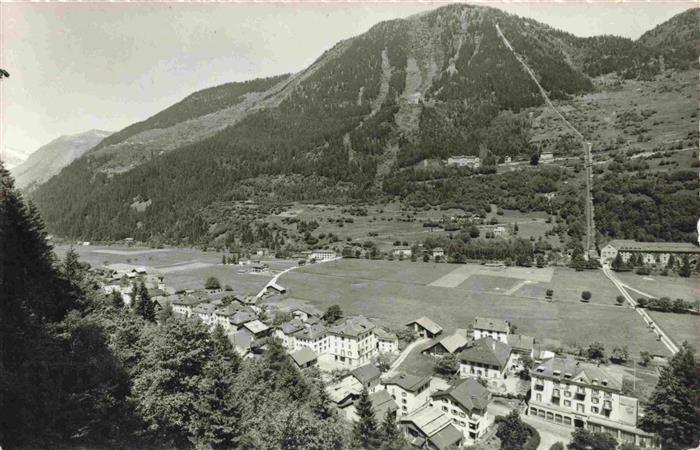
(291, 326)
(451, 343)
(352, 326)
(427, 324)
(242, 317)
(313, 332)
(446, 437)
(303, 356)
(569, 369)
(521, 342)
(487, 323)
(382, 402)
(384, 335)
(468, 393)
(366, 373)
(408, 382)
(663, 247)
(487, 351)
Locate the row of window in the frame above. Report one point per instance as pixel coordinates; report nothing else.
(550, 416)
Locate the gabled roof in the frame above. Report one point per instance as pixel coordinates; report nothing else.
(204, 308)
(569, 369)
(312, 332)
(487, 351)
(352, 326)
(408, 382)
(241, 340)
(366, 373)
(242, 317)
(384, 335)
(303, 356)
(187, 300)
(382, 403)
(446, 437)
(468, 393)
(427, 324)
(256, 326)
(521, 342)
(228, 311)
(291, 326)
(428, 420)
(489, 324)
(451, 343)
(670, 247)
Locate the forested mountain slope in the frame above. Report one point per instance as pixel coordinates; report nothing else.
(433, 85)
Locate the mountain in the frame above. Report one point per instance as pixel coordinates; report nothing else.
(676, 40)
(429, 86)
(49, 159)
(13, 158)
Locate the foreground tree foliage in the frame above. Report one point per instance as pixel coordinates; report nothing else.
(80, 370)
(512, 432)
(673, 411)
(587, 440)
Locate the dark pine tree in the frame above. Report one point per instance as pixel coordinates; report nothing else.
(365, 432)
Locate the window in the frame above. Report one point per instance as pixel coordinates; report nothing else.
(403, 394)
(567, 394)
(567, 420)
(444, 408)
(595, 400)
(550, 416)
(567, 402)
(594, 409)
(580, 407)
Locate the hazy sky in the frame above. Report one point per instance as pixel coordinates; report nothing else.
(78, 66)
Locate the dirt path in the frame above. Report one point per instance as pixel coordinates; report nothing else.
(402, 357)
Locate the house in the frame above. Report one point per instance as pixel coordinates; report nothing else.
(256, 328)
(258, 268)
(473, 162)
(240, 318)
(223, 315)
(386, 342)
(184, 305)
(304, 357)
(205, 313)
(430, 428)
(382, 404)
(314, 336)
(651, 253)
(425, 327)
(451, 344)
(487, 327)
(402, 252)
(438, 252)
(305, 313)
(352, 342)
(466, 403)
(368, 376)
(500, 231)
(410, 391)
(521, 344)
(546, 157)
(322, 255)
(277, 288)
(284, 332)
(582, 395)
(485, 358)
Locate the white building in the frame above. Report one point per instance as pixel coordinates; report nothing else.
(322, 255)
(498, 329)
(386, 342)
(486, 358)
(581, 395)
(409, 391)
(651, 252)
(464, 161)
(438, 252)
(353, 342)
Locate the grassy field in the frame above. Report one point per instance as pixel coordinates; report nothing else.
(182, 268)
(398, 292)
(659, 286)
(681, 327)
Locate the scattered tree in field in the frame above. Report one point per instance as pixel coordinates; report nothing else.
(333, 313)
(512, 432)
(426, 257)
(228, 288)
(587, 440)
(619, 355)
(448, 365)
(586, 296)
(673, 410)
(549, 293)
(646, 358)
(365, 432)
(212, 283)
(620, 300)
(595, 351)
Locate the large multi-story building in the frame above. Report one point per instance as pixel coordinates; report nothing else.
(485, 358)
(410, 391)
(651, 252)
(582, 395)
(322, 255)
(352, 342)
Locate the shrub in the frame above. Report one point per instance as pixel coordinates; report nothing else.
(620, 300)
(212, 283)
(586, 296)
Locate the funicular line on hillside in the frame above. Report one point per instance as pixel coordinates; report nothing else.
(590, 228)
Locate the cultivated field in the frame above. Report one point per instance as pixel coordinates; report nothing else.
(182, 268)
(398, 292)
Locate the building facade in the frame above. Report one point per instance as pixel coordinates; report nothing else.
(652, 253)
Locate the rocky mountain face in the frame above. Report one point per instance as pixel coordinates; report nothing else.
(432, 85)
(49, 159)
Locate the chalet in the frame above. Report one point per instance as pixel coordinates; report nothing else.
(305, 313)
(410, 391)
(402, 252)
(258, 268)
(223, 315)
(284, 332)
(521, 344)
(485, 358)
(466, 403)
(438, 252)
(487, 327)
(367, 375)
(651, 253)
(240, 318)
(386, 342)
(277, 288)
(425, 327)
(582, 395)
(304, 358)
(352, 342)
(451, 344)
(546, 157)
(430, 428)
(473, 162)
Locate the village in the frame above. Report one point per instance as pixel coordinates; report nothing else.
(481, 370)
